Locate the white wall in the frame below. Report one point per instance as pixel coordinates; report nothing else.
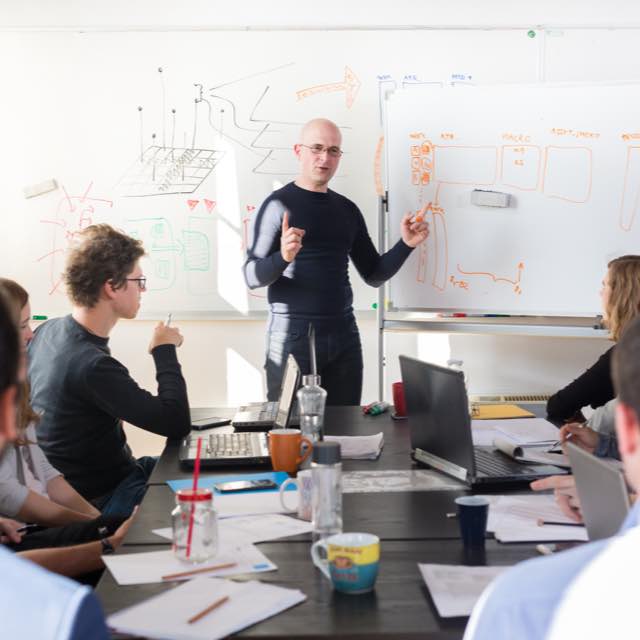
(202, 14)
(223, 360)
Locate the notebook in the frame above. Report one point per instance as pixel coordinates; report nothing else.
(440, 428)
(265, 415)
(604, 499)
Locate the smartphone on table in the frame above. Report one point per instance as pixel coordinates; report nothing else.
(245, 485)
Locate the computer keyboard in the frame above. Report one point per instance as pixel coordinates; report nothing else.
(495, 465)
(229, 445)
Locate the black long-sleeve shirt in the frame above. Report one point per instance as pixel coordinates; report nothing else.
(594, 387)
(84, 394)
(315, 286)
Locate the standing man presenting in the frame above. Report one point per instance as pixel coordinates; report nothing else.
(300, 244)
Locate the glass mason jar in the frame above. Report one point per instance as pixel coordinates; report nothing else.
(195, 525)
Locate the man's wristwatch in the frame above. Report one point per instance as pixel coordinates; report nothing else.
(107, 547)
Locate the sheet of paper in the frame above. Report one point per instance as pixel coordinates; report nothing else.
(515, 519)
(398, 480)
(359, 447)
(246, 504)
(166, 615)
(455, 588)
(149, 567)
(483, 433)
(252, 529)
(527, 430)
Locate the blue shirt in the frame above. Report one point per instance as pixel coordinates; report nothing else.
(521, 602)
(35, 603)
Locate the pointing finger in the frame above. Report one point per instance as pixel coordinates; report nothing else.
(285, 222)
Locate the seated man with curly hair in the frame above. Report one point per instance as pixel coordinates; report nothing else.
(83, 393)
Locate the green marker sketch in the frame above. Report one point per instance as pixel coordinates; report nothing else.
(157, 238)
(197, 255)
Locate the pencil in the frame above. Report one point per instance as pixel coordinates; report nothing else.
(542, 522)
(193, 572)
(208, 610)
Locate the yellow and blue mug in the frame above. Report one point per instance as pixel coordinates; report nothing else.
(350, 560)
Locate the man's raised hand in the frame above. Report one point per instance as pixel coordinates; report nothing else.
(290, 240)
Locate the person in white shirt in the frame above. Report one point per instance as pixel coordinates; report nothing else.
(601, 601)
(33, 602)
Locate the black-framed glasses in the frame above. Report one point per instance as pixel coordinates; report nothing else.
(142, 282)
(317, 149)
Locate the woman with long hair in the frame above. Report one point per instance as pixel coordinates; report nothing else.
(31, 490)
(620, 296)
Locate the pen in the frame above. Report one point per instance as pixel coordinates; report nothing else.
(209, 609)
(559, 442)
(168, 322)
(542, 522)
(193, 572)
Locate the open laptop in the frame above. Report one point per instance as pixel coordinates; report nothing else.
(604, 498)
(247, 445)
(263, 416)
(438, 415)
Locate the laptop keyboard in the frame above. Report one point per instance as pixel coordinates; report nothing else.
(494, 465)
(230, 445)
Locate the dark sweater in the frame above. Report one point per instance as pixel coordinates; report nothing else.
(315, 286)
(84, 394)
(594, 387)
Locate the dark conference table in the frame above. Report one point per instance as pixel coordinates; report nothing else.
(412, 526)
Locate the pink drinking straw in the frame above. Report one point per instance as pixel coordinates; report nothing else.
(196, 474)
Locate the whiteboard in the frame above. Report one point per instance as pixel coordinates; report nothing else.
(569, 158)
(213, 139)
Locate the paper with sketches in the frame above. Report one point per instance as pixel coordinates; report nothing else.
(400, 480)
(252, 529)
(455, 589)
(149, 567)
(514, 518)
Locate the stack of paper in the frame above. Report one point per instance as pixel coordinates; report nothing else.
(153, 566)
(167, 615)
(515, 519)
(455, 588)
(359, 447)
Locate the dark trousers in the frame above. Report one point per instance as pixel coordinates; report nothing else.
(338, 354)
(129, 492)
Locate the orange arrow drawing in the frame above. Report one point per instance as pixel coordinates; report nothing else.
(350, 85)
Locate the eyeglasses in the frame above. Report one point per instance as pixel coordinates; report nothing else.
(317, 149)
(142, 282)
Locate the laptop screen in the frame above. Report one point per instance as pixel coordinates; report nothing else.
(290, 382)
(604, 500)
(438, 411)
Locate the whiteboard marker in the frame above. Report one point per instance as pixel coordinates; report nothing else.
(168, 322)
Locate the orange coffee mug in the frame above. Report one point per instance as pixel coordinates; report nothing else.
(284, 447)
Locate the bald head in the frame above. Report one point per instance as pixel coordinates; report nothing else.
(319, 126)
(318, 153)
